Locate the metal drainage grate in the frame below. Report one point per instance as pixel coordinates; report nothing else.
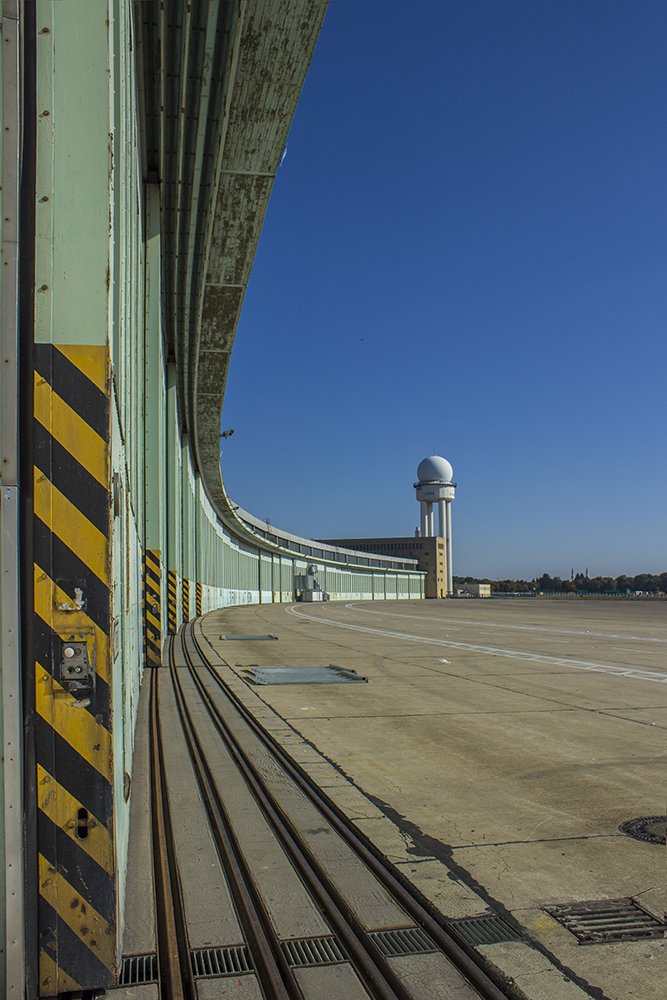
(403, 941)
(303, 675)
(650, 828)
(312, 951)
(487, 929)
(247, 637)
(138, 969)
(606, 920)
(220, 961)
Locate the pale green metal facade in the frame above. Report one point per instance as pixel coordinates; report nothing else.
(168, 544)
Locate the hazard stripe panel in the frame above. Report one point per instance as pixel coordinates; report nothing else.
(153, 606)
(186, 600)
(52, 978)
(198, 600)
(73, 739)
(172, 602)
(63, 810)
(70, 430)
(63, 711)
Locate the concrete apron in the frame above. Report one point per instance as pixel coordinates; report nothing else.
(492, 781)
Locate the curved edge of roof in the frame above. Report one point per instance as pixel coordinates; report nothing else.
(259, 534)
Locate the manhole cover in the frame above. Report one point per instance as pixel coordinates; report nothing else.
(649, 828)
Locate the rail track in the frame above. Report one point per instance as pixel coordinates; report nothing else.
(378, 939)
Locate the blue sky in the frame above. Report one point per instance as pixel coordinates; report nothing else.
(465, 254)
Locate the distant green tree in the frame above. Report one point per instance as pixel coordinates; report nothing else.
(646, 582)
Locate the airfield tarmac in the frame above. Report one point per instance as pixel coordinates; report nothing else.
(492, 755)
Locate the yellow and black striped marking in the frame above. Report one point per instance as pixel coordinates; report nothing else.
(153, 607)
(172, 602)
(198, 600)
(186, 599)
(73, 740)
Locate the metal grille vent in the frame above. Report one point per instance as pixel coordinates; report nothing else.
(220, 961)
(312, 951)
(488, 929)
(601, 920)
(404, 941)
(138, 969)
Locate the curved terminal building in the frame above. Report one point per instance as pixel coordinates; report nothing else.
(140, 145)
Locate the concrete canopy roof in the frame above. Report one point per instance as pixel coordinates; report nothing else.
(220, 84)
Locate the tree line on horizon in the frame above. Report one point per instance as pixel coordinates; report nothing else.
(647, 583)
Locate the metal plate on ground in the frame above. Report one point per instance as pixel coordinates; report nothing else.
(598, 921)
(246, 638)
(487, 929)
(303, 675)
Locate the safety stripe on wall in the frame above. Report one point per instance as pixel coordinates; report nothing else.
(73, 740)
(186, 600)
(198, 600)
(172, 602)
(153, 606)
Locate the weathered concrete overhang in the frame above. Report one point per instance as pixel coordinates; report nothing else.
(221, 80)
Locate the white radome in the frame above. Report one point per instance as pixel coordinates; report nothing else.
(435, 469)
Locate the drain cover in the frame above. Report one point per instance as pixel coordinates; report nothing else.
(312, 951)
(303, 675)
(487, 929)
(649, 828)
(229, 961)
(403, 941)
(137, 970)
(607, 920)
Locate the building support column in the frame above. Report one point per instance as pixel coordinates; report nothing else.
(448, 549)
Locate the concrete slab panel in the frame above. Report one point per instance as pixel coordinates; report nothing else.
(210, 913)
(537, 873)
(359, 887)
(432, 977)
(293, 913)
(532, 972)
(139, 919)
(229, 988)
(148, 991)
(330, 982)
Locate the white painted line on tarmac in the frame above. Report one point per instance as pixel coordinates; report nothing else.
(520, 628)
(514, 654)
(624, 649)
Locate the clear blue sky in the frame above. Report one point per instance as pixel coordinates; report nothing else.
(465, 254)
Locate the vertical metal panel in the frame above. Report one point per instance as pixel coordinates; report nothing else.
(77, 908)
(152, 607)
(12, 742)
(185, 591)
(172, 602)
(154, 404)
(12, 927)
